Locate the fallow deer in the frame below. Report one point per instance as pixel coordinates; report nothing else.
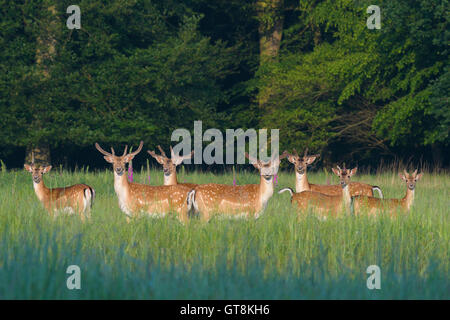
(373, 205)
(323, 204)
(134, 198)
(78, 198)
(237, 201)
(302, 184)
(170, 166)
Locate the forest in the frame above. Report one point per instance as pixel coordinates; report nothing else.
(138, 70)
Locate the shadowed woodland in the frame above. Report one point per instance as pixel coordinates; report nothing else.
(137, 70)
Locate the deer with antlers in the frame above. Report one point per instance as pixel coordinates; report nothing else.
(78, 198)
(302, 184)
(373, 205)
(324, 204)
(170, 166)
(134, 198)
(237, 201)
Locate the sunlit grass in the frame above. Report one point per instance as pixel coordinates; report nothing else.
(274, 257)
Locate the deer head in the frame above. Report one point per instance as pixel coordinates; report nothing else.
(36, 172)
(169, 164)
(267, 169)
(410, 179)
(119, 162)
(344, 175)
(301, 163)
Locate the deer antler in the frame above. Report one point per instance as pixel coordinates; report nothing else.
(103, 151)
(177, 159)
(405, 173)
(125, 151)
(295, 152)
(138, 149)
(251, 159)
(32, 158)
(283, 155)
(162, 151)
(306, 153)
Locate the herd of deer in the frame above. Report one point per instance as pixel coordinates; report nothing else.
(234, 201)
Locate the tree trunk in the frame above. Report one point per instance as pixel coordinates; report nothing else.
(45, 54)
(270, 15)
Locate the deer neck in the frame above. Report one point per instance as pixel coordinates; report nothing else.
(170, 179)
(121, 186)
(409, 198)
(301, 182)
(346, 198)
(41, 190)
(265, 191)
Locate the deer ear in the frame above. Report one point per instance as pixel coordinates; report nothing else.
(109, 159)
(177, 160)
(28, 168)
(336, 171)
(402, 176)
(310, 159)
(257, 165)
(128, 158)
(419, 176)
(291, 158)
(353, 171)
(46, 169)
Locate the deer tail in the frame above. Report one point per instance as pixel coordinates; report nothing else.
(286, 189)
(379, 191)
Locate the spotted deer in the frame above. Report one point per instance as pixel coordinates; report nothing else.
(170, 166)
(372, 206)
(77, 199)
(237, 201)
(134, 198)
(302, 184)
(324, 204)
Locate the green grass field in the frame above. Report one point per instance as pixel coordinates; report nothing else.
(274, 257)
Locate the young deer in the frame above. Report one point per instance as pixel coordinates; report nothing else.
(134, 198)
(78, 198)
(302, 184)
(373, 205)
(324, 204)
(170, 166)
(237, 201)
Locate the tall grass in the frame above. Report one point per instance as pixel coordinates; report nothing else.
(274, 257)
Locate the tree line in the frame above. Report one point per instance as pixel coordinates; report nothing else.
(141, 69)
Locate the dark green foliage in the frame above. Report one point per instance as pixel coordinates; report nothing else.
(134, 71)
(140, 69)
(365, 88)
